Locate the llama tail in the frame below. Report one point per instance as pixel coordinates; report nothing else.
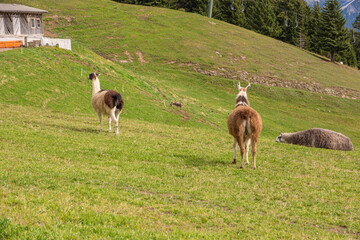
(118, 101)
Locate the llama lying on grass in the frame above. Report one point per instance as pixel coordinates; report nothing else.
(245, 125)
(319, 138)
(106, 102)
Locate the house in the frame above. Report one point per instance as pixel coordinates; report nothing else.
(23, 25)
(16, 19)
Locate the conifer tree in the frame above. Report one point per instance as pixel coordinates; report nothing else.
(333, 34)
(314, 29)
(356, 41)
(261, 18)
(229, 11)
(196, 6)
(289, 20)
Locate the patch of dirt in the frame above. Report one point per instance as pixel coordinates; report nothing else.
(277, 82)
(189, 64)
(57, 18)
(111, 37)
(141, 57)
(5, 79)
(171, 62)
(130, 58)
(208, 123)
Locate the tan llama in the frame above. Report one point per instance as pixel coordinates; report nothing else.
(245, 125)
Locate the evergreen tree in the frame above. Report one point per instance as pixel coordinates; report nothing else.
(314, 29)
(261, 18)
(196, 6)
(356, 24)
(333, 34)
(229, 11)
(348, 56)
(356, 41)
(303, 22)
(289, 20)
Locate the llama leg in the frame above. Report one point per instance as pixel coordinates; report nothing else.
(113, 117)
(100, 118)
(253, 148)
(234, 146)
(109, 118)
(242, 150)
(117, 115)
(247, 145)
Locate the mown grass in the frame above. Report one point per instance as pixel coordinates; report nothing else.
(169, 173)
(62, 179)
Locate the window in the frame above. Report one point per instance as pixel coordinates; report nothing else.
(32, 22)
(38, 23)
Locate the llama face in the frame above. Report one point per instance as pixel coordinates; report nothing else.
(281, 138)
(242, 91)
(93, 76)
(278, 139)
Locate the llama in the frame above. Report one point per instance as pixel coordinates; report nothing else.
(106, 102)
(177, 104)
(245, 125)
(319, 138)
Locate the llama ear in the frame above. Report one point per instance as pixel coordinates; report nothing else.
(278, 139)
(248, 86)
(97, 74)
(239, 86)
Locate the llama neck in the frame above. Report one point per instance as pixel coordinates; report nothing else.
(241, 100)
(95, 86)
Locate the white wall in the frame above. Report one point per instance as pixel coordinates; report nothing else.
(63, 43)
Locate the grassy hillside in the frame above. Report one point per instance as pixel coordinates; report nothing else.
(188, 38)
(169, 173)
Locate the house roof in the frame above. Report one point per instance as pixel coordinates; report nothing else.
(18, 8)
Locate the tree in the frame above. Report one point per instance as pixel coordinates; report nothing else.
(261, 18)
(290, 20)
(333, 34)
(356, 41)
(314, 29)
(229, 11)
(196, 6)
(347, 56)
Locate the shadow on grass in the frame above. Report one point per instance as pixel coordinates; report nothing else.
(71, 128)
(197, 161)
(318, 56)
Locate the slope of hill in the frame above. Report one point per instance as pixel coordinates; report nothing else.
(168, 173)
(210, 47)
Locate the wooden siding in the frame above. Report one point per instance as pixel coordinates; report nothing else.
(21, 24)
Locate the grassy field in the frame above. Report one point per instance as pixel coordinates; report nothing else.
(168, 174)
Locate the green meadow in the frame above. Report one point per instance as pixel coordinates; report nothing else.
(168, 174)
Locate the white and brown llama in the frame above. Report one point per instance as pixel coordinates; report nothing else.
(245, 125)
(106, 102)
